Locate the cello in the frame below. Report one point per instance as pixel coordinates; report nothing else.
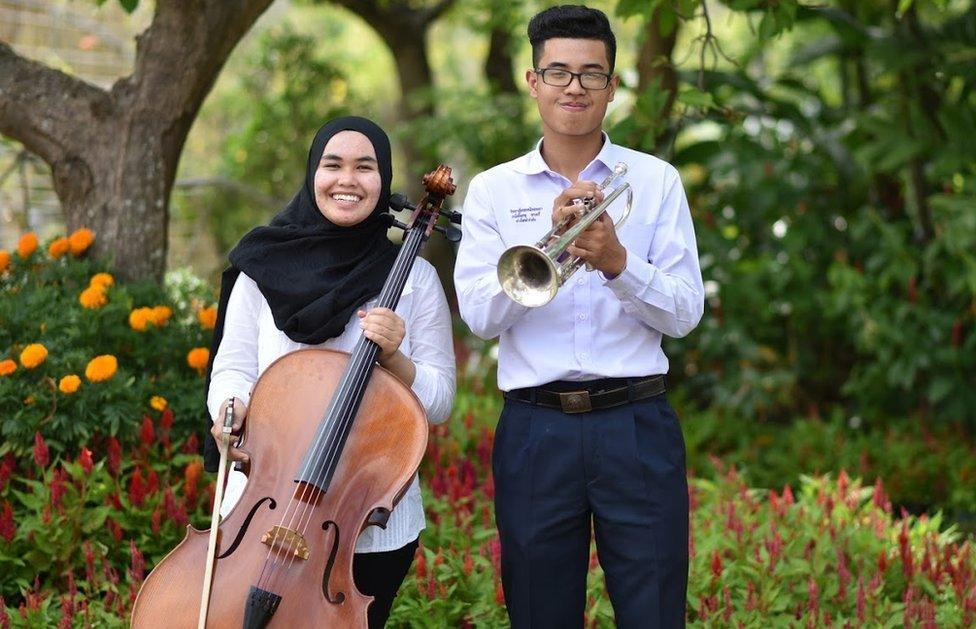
(334, 441)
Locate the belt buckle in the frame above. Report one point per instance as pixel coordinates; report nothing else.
(575, 401)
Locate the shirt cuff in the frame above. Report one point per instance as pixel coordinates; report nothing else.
(633, 280)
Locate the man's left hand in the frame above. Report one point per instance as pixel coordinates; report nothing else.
(598, 245)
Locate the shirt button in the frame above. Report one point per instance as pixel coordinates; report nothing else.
(583, 356)
(580, 281)
(582, 317)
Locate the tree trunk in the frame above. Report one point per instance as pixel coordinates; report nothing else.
(655, 66)
(113, 154)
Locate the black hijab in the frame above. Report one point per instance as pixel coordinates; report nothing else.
(312, 272)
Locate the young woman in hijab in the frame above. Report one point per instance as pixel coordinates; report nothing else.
(309, 279)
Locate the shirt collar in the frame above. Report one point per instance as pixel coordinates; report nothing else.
(532, 162)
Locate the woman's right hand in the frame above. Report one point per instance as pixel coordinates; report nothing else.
(217, 430)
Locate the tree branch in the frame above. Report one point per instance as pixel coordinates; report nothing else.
(43, 108)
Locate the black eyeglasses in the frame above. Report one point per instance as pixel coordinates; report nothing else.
(557, 77)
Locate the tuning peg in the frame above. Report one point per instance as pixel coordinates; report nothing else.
(399, 202)
(451, 215)
(391, 221)
(450, 232)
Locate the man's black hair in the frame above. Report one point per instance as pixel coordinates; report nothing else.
(573, 21)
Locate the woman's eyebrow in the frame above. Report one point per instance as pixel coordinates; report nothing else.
(339, 158)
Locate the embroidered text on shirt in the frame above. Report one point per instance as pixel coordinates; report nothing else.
(525, 214)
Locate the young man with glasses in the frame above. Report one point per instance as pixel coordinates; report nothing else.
(587, 440)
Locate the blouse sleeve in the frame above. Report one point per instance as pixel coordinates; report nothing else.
(431, 345)
(235, 367)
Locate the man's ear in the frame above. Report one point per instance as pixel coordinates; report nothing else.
(532, 80)
(614, 82)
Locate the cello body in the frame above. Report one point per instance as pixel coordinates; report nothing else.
(378, 463)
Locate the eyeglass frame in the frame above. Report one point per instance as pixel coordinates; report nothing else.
(574, 75)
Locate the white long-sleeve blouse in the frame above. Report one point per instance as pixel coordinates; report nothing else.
(251, 342)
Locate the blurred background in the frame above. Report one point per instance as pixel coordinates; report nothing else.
(827, 151)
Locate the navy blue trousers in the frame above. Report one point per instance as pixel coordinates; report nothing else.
(620, 469)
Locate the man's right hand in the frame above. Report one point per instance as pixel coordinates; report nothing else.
(217, 430)
(563, 206)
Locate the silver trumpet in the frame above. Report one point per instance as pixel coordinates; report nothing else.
(532, 274)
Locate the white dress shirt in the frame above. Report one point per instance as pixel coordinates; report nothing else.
(593, 328)
(252, 342)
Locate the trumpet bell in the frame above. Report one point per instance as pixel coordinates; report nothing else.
(528, 276)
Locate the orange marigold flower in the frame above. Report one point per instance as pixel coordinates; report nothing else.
(27, 244)
(93, 297)
(59, 247)
(7, 367)
(198, 358)
(4, 260)
(69, 384)
(140, 318)
(161, 315)
(158, 402)
(207, 317)
(80, 240)
(33, 355)
(101, 368)
(103, 280)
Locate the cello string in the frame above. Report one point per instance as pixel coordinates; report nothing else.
(344, 418)
(339, 428)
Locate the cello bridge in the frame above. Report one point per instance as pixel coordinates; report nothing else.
(288, 540)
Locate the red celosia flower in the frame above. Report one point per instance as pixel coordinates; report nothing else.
(148, 434)
(152, 483)
(192, 444)
(114, 456)
(114, 529)
(138, 568)
(421, 563)
(89, 561)
(468, 562)
(7, 466)
(155, 520)
(41, 453)
(58, 488)
(85, 460)
(7, 525)
(166, 418)
(861, 600)
(137, 488)
(174, 511)
(67, 613)
(716, 564)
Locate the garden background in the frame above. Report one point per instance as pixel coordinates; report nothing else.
(828, 398)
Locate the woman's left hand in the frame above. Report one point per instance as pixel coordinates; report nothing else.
(385, 328)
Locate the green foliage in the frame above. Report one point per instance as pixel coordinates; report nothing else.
(836, 227)
(924, 468)
(40, 304)
(76, 533)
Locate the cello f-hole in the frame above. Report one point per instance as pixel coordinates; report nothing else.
(246, 524)
(339, 596)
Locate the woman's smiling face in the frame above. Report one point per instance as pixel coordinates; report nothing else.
(347, 181)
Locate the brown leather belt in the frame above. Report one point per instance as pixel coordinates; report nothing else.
(590, 398)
